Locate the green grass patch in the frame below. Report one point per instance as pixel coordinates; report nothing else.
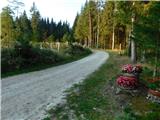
(95, 98)
(87, 100)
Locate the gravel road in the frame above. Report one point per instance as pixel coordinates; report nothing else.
(27, 96)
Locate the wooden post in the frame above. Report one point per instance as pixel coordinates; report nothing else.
(41, 45)
(120, 47)
(50, 45)
(58, 45)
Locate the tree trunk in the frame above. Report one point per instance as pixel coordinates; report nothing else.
(133, 44)
(113, 39)
(128, 41)
(98, 31)
(133, 51)
(126, 38)
(90, 29)
(85, 42)
(156, 55)
(155, 67)
(143, 59)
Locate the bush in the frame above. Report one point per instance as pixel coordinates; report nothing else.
(10, 60)
(48, 56)
(74, 50)
(25, 56)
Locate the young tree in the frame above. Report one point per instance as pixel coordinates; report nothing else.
(35, 23)
(23, 28)
(147, 31)
(59, 33)
(106, 25)
(52, 27)
(81, 28)
(86, 26)
(7, 27)
(127, 15)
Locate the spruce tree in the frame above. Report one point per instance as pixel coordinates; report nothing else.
(35, 23)
(7, 27)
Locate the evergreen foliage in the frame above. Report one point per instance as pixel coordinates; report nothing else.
(99, 25)
(7, 26)
(37, 29)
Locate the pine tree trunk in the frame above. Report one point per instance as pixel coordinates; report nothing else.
(156, 55)
(128, 41)
(155, 67)
(143, 59)
(133, 51)
(126, 38)
(113, 39)
(98, 31)
(85, 42)
(90, 29)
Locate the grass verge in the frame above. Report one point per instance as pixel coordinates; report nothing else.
(95, 98)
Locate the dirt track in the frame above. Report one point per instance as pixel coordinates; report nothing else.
(27, 96)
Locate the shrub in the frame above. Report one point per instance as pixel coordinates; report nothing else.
(77, 50)
(48, 56)
(25, 56)
(10, 60)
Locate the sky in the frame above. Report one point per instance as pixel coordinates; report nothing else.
(64, 10)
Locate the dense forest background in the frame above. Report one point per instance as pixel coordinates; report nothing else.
(38, 29)
(132, 26)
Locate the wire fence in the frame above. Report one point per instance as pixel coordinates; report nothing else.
(42, 45)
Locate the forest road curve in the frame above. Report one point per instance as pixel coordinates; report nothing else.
(27, 96)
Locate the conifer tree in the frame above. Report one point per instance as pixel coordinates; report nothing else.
(35, 23)
(23, 28)
(7, 26)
